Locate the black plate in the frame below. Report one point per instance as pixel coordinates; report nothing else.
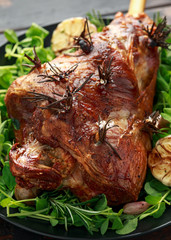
(145, 226)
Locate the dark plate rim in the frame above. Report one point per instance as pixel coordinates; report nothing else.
(134, 234)
(119, 237)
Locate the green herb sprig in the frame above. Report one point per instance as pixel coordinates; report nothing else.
(158, 196)
(162, 101)
(62, 207)
(96, 19)
(6, 135)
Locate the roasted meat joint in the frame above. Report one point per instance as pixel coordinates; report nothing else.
(83, 115)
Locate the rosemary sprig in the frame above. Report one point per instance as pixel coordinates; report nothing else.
(38, 97)
(36, 61)
(62, 207)
(159, 35)
(58, 74)
(61, 105)
(105, 71)
(101, 135)
(96, 19)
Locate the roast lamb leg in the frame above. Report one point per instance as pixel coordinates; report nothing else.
(82, 116)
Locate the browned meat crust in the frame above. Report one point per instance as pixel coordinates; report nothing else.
(61, 148)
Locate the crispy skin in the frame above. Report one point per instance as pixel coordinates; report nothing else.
(55, 149)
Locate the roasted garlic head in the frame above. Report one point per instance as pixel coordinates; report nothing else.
(159, 160)
(63, 35)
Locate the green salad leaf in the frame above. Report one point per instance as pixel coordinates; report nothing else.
(36, 30)
(11, 36)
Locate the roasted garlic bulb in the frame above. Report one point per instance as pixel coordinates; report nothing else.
(159, 160)
(63, 35)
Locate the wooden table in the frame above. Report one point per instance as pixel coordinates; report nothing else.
(19, 15)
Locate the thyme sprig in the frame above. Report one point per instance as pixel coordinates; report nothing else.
(159, 35)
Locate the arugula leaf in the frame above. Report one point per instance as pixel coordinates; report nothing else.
(166, 115)
(5, 137)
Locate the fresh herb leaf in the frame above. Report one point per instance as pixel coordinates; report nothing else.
(11, 36)
(6, 79)
(166, 116)
(129, 226)
(5, 202)
(41, 203)
(157, 207)
(96, 19)
(8, 48)
(7, 176)
(160, 211)
(36, 30)
(104, 226)
(168, 197)
(117, 224)
(150, 190)
(155, 184)
(152, 199)
(101, 204)
(53, 222)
